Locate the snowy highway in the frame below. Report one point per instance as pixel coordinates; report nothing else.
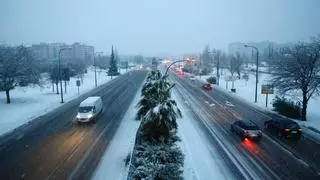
(272, 158)
(51, 147)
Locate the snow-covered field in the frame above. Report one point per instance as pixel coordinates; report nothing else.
(27, 103)
(112, 164)
(246, 90)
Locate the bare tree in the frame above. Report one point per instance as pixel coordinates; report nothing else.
(232, 64)
(298, 71)
(17, 67)
(217, 63)
(54, 77)
(238, 64)
(206, 61)
(245, 59)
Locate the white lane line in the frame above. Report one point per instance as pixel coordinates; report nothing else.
(229, 104)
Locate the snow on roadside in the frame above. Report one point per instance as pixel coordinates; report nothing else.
(28, 103)
(201, 160)
(112, 165)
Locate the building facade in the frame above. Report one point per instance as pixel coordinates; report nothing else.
(50, 52)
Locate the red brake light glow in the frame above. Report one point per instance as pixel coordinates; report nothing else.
(286, 129)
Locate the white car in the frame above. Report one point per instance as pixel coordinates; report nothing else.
(192, 78)
(89, 109)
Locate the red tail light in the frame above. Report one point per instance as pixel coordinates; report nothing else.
(286, 130)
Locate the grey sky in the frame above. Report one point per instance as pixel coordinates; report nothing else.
(153, 27)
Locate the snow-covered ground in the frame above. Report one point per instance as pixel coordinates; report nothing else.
(246, 90)
(201, 160)
(112, 165)
(27, 103)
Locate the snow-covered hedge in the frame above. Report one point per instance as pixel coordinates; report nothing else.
(157, 160)
(156, 154)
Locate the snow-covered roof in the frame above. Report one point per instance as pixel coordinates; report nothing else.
(89, 101)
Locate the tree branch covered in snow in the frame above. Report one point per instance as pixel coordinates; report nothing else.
(298, 69)
(17, 67)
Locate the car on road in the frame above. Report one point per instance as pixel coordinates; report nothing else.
(284, 128)
(207, 87)
(246, 129)
(89, 109)
(192, 78)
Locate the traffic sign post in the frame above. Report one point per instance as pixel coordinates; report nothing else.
(78, 84)
(267, 89)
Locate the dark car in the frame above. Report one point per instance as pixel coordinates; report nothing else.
(247, 129)
(284, 128)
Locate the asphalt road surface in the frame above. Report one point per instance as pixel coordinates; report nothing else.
(52, 147)
(271, 158)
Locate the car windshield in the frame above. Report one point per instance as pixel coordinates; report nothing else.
(85, 109)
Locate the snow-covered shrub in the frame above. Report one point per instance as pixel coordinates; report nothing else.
(156, 155)
(158, 161)
(212, 80)
(286, 107)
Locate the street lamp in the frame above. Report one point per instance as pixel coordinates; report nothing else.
(175, 63)
(257, 66)
(61, 49)
(95, 70)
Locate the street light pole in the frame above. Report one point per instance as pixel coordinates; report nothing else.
(61, 91)
(257, 68)
(173, 64)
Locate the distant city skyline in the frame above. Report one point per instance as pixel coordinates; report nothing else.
(157, 27)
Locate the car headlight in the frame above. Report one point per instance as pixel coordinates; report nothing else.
(90, 115)
(78, 116)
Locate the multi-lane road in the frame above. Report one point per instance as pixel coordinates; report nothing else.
(52, 147)
(272, 158)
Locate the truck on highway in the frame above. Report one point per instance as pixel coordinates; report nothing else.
(89, 109)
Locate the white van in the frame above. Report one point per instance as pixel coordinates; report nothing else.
(89, 109)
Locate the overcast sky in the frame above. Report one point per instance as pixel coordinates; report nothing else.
(154, 27)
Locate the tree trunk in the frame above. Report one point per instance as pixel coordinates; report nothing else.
(8, 97)
(304, 106)
(65, 87)
(57, 88)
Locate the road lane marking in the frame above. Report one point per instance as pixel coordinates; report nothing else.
(229, 104)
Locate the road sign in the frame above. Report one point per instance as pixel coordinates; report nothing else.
(266, 89)
(78, 82)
